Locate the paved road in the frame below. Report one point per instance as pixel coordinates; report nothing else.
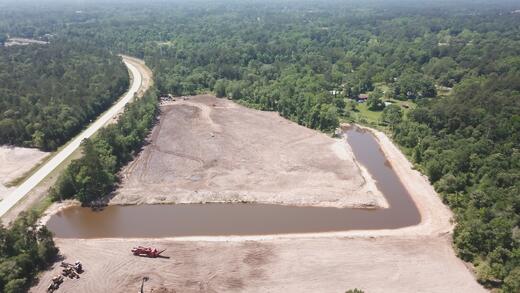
(16, 195)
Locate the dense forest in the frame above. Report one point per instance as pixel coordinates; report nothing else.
(449, 69)
(469, 146)
(25, 249)
(49, 92)
(303, 60)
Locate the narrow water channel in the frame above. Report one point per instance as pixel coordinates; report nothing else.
(248, 219)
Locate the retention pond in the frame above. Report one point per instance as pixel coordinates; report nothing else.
(248, 219)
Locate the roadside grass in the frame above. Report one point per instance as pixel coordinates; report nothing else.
(39, 205)
(36, 167)
(19, 180)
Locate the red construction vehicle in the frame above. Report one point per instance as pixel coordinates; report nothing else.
(147, 251)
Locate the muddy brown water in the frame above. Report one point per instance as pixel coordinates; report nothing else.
(248, 219)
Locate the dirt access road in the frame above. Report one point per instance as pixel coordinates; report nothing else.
(412, 259)
(138, 72)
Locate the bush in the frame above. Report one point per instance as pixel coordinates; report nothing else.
(25, 250)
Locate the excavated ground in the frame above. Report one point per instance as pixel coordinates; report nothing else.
(195, 155)
(212, 150)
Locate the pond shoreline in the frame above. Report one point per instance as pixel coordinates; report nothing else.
(427, 225)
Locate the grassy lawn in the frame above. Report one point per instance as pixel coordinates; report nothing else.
(362, 115)
(406, 106)
(365, 116)
(372, 117)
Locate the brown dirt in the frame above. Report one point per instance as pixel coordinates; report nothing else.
(413, 259)
(389, 264)
(15, 162)
(212, 150)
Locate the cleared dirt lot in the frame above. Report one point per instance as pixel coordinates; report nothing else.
(413, 259)
(212, 150)
(15, 162)
(390, 264)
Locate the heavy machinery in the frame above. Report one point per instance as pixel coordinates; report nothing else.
(147, 251)
(55, 283)
(72, 270)
(78, 267)
(69, 270)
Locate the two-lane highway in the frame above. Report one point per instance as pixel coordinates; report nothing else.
(22, 190)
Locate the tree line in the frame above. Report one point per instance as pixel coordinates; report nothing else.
(94, 175)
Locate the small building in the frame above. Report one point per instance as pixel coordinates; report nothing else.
(362, 98)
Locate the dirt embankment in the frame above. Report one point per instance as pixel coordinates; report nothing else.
(212, 150)
(436, 218)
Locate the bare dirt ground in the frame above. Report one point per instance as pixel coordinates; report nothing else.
(212, 150)
(15, 162)
(412, 259)
(390, 264)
